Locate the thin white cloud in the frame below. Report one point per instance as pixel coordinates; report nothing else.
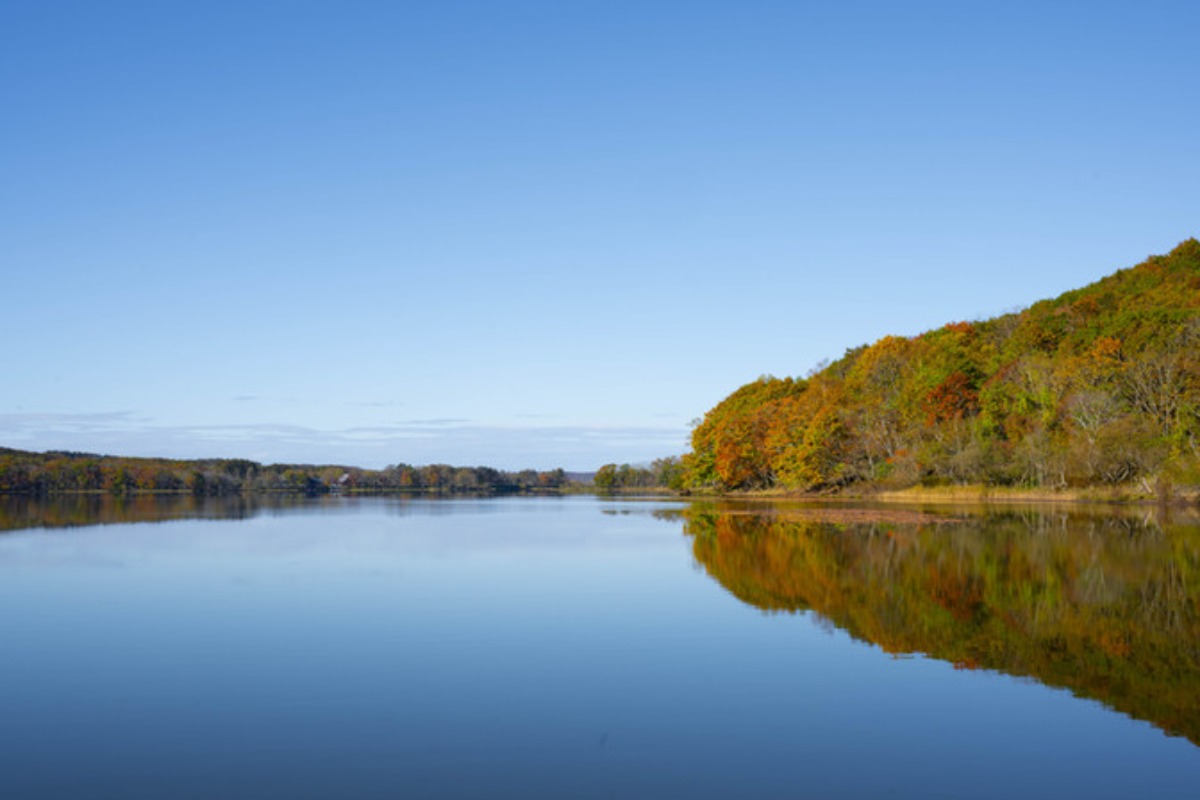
(417, 441)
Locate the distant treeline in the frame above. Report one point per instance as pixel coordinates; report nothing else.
(1100, 386)
(55, 472)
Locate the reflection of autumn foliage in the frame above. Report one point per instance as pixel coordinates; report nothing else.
(71, 510)
(961, 595)
(1098, 386)
(1109, 608)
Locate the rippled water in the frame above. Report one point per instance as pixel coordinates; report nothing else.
(583, 647)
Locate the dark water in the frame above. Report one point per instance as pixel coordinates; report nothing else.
(576, 647)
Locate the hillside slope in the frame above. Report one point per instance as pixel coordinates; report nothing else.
(1100, 386)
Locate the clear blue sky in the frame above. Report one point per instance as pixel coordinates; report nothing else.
(544, 234)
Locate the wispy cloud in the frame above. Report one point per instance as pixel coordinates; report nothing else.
(416, 441)
(23, 424)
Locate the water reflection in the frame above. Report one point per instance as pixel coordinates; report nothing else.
(19, 512)
(547, 647)
(1105, 605)
(70, 510)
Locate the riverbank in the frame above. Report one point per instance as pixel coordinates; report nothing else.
(1006, 494)
(1119, 495)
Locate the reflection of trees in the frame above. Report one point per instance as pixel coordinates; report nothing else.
(1107, 607)
(72, 510)
(97, 509)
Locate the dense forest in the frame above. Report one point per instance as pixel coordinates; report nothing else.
(1100, 386)
(1112, 615)
(54, 472)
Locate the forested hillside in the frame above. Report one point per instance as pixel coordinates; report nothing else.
(1100, 386)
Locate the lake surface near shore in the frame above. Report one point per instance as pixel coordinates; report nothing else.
(583, 647)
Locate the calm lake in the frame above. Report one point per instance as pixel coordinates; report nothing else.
(582, 647)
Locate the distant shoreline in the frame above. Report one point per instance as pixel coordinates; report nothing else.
(912, 495)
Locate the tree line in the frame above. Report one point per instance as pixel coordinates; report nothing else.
(1100, 386)
(24, 472)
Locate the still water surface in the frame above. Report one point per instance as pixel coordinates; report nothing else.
(591, 648)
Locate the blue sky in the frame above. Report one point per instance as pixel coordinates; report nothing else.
(544, 234)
